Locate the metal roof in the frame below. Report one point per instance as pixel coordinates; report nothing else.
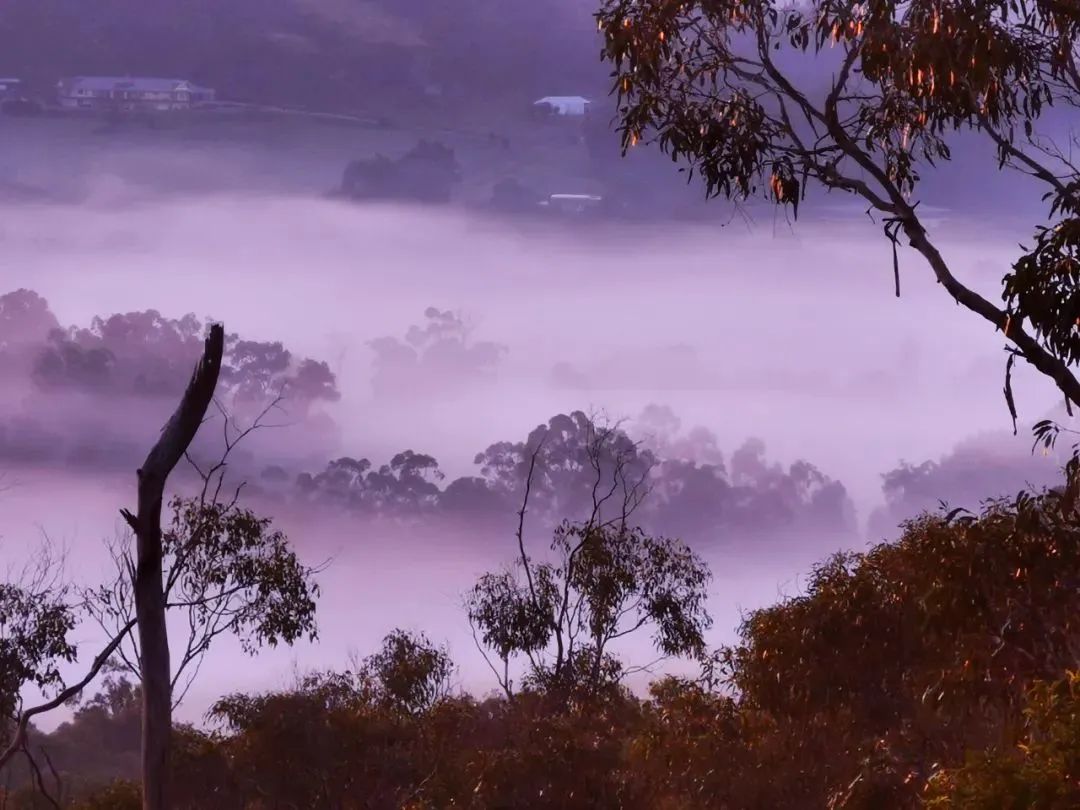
(144, 83)
(565, 105)
(565, 99)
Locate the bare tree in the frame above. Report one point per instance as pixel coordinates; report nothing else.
(149, 591)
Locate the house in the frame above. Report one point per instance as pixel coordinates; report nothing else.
(127, 93)
(10, 89)
(571, 203)
(571, 106)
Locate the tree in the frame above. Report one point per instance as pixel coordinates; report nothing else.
(1039, 773)
(221, 564)
(25, 322)
(408, 673)
(723, 87)
(147, 584)
(229, 572)
(975, 469)
(35, 620)
(570, 467)
(145, 354)
(609, 580)
(427, 173)
(439, 355)
(949, 626)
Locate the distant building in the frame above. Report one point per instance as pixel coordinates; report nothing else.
(572, 106)
(10, 89)
(127, 93)
(571, 203)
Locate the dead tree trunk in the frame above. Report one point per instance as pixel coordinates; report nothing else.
(175, 438)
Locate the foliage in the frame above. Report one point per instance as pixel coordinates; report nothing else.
(1039, 773)
(568, 463)
(698, 494)
(230, 572)
(692, 492)
(427, 173)
(25, 322)
(728, 88)
(118, 795)
(608, 579)
(408, 673)
(932, 671)
(35, 619)
(148, 354)
(990, 466)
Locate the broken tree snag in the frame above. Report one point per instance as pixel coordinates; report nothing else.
(170, 447)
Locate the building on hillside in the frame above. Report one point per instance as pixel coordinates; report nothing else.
(571, 203)
(127, 93)
(570, 106)
(10, 89)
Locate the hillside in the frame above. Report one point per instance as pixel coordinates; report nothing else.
(349, 55)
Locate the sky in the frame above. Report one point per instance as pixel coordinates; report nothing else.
(785, 331)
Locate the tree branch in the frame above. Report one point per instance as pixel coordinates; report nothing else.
(67, 694)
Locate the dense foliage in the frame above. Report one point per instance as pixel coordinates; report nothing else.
(937, 670)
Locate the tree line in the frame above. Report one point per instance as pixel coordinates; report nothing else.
(963, 694)
(700, 493)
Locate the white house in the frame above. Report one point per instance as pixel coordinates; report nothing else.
(130, 93)
(571, 203)
(10, 88)
(574, 106)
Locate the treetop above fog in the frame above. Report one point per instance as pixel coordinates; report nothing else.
(148, 354)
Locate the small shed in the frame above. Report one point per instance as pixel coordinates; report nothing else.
(572, 106)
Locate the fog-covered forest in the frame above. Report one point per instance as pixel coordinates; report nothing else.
(635, 405)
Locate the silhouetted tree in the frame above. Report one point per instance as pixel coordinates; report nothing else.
(408, 672)
(36, 616)
(572, 460)
(609, 579)
(976, 469)
(145, 353)
(25, 323)
(426, 173)
(148, 592)
(437, 356)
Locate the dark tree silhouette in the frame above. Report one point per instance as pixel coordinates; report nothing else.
(408, 673)
(608, 579)
(426, 173)
(147, 582)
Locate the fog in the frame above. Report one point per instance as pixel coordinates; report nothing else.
(763, 327)
(796, 337)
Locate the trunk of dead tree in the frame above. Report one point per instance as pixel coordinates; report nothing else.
(156, 674)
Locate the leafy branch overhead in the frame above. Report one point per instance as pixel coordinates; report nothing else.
(728, 88)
